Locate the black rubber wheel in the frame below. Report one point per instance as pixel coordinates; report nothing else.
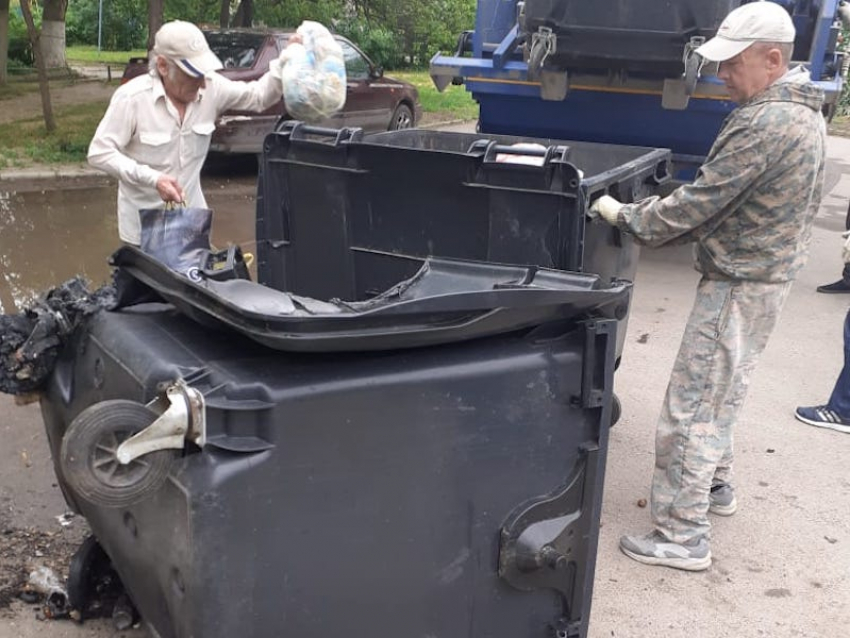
(402, 118)
(92, 582)
(535, 60)
(616, 410)
(88, 459)
(691, 74)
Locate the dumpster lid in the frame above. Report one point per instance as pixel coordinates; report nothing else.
(447, 300)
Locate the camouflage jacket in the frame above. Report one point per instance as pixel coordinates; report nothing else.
(750, 209)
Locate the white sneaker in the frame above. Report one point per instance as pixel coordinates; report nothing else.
(655, 549)
(721, 500)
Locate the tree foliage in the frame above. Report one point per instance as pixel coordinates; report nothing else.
(20, 49)
(393, 33)
(124, 24)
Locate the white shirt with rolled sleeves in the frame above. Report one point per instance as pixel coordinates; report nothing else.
(141, 137)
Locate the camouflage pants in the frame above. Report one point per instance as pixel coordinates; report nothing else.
(727, 331)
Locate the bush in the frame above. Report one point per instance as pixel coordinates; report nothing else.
(380, 44)
(410, 33)
(20, 52)
(124, 24)
(20, 49)
(293, 12)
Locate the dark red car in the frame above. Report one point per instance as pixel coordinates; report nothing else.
(374, 102)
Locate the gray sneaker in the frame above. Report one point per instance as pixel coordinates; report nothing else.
(721, 500)
(655, 549)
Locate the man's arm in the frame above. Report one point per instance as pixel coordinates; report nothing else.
(249, 96)
(694, 210)
(112, 136)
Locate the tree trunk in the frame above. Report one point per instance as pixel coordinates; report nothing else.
(224, 14)
(53, 33)
(156, 11)
(244, 14)
(4, 40)
(43, 83)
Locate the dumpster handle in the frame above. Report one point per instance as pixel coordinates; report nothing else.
(549, 154)
(600, 337)
(298, 131)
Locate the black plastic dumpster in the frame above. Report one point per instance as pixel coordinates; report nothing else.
(441, 490)
(423, 456)
(638, 35)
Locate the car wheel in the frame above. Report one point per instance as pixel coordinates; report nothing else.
(402, 118)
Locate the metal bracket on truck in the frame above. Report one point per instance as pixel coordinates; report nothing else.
(183, 420)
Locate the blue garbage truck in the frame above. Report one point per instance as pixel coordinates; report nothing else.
(616, 71)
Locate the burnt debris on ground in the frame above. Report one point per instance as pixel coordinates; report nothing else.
(23, 551)
(59, 575)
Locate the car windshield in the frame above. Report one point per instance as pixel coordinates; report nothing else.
(235, 50)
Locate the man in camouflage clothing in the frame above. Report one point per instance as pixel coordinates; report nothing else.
(749, 213)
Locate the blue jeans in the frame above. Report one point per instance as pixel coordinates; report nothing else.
(840, 399)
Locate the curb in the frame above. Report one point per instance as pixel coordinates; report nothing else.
(48, 172)
(63, 172)
(446, 123)
(36, 178)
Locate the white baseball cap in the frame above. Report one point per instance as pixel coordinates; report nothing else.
(749, 23)
(184, 44)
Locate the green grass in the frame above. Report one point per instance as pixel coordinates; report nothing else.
(25, 81)
(455, 103)
(90, 55)
(840, 126)
(25, 142)
(13, 89)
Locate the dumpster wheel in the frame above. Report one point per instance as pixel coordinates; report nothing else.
(616, 410)
(94, 587)
(693, 65)
(88, 456)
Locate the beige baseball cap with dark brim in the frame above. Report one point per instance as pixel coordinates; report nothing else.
(746, 25)
(185, 44)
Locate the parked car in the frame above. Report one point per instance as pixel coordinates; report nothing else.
(374, 102)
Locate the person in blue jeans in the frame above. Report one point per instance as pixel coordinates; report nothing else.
(842, 286)
(835, 415)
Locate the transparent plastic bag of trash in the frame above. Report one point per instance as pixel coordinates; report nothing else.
(313, 74)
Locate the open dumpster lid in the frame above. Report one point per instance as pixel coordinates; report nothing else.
(447, 300)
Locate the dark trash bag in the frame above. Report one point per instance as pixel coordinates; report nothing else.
(178, 237)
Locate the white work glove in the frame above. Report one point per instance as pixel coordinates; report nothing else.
(845, 251)
(607, 208)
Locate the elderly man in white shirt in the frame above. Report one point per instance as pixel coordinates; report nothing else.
(156, 132)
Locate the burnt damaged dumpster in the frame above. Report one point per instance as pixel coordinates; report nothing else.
(407, 445)
(421, 193)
